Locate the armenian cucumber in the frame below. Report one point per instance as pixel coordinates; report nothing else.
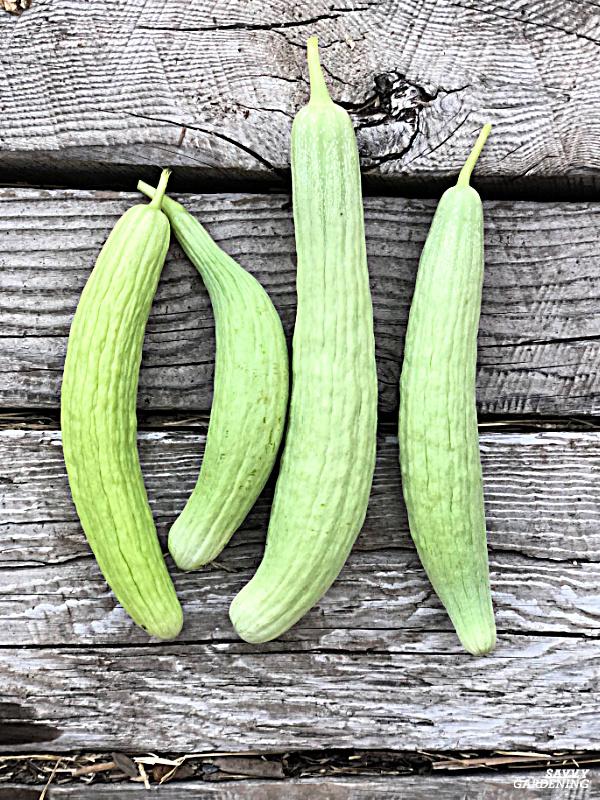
(249, 400)
(98, 417)
(439, 444)
(329, 456)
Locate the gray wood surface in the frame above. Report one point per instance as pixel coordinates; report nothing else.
(211, 87)
(539, 343)
(543, 511)
(412, 787)
(375, 662)
(99, 94)
(534, 692)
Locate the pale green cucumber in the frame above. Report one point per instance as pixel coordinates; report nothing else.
(439, 444)
(98, 417)
(249, 399)
(329, 456)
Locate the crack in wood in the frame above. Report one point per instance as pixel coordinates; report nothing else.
(522, 20)
(244, 148)
(258, 26)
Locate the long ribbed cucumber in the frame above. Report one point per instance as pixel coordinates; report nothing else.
(98, 417)
(249, 400)
(327, 465)
(439, 444)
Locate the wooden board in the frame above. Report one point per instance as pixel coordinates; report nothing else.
(375, 662)
(512, 786)
(96, 95)
(543, 534)
(212, 88)
(539, 343)
(415, 693)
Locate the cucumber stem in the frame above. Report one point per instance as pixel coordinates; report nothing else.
(318, 88)
(160, 189)
(146, 189)
(465, 173)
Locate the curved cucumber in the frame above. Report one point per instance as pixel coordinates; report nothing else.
(249, 401)
(329, 457)
(439, 444)
(98, 417)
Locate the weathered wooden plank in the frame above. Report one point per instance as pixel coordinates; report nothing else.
(367, 667)
(417, 693)
(211, 88)
(539, 344)
(516, 785)
(543, 511)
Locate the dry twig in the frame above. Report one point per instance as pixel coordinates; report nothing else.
(49, 781)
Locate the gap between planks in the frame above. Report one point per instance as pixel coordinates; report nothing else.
(49, 419)
(184, 181)
(196, 770)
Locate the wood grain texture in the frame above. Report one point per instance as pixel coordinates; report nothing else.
(374, 662)
(543, 513)
(539, 342)
(415, 787)
(417, 692)
(210, 88)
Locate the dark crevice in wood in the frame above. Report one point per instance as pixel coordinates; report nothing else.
(13, 567)
(289, 644)
(17, 726)
(197, 421)
(557, 340)
(529, 423)
(255, 26)
(495, 550)
(98, 175)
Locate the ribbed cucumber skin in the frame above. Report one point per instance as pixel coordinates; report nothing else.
(99, 424)
(249, 399)
(439, 445)
(329, 456)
